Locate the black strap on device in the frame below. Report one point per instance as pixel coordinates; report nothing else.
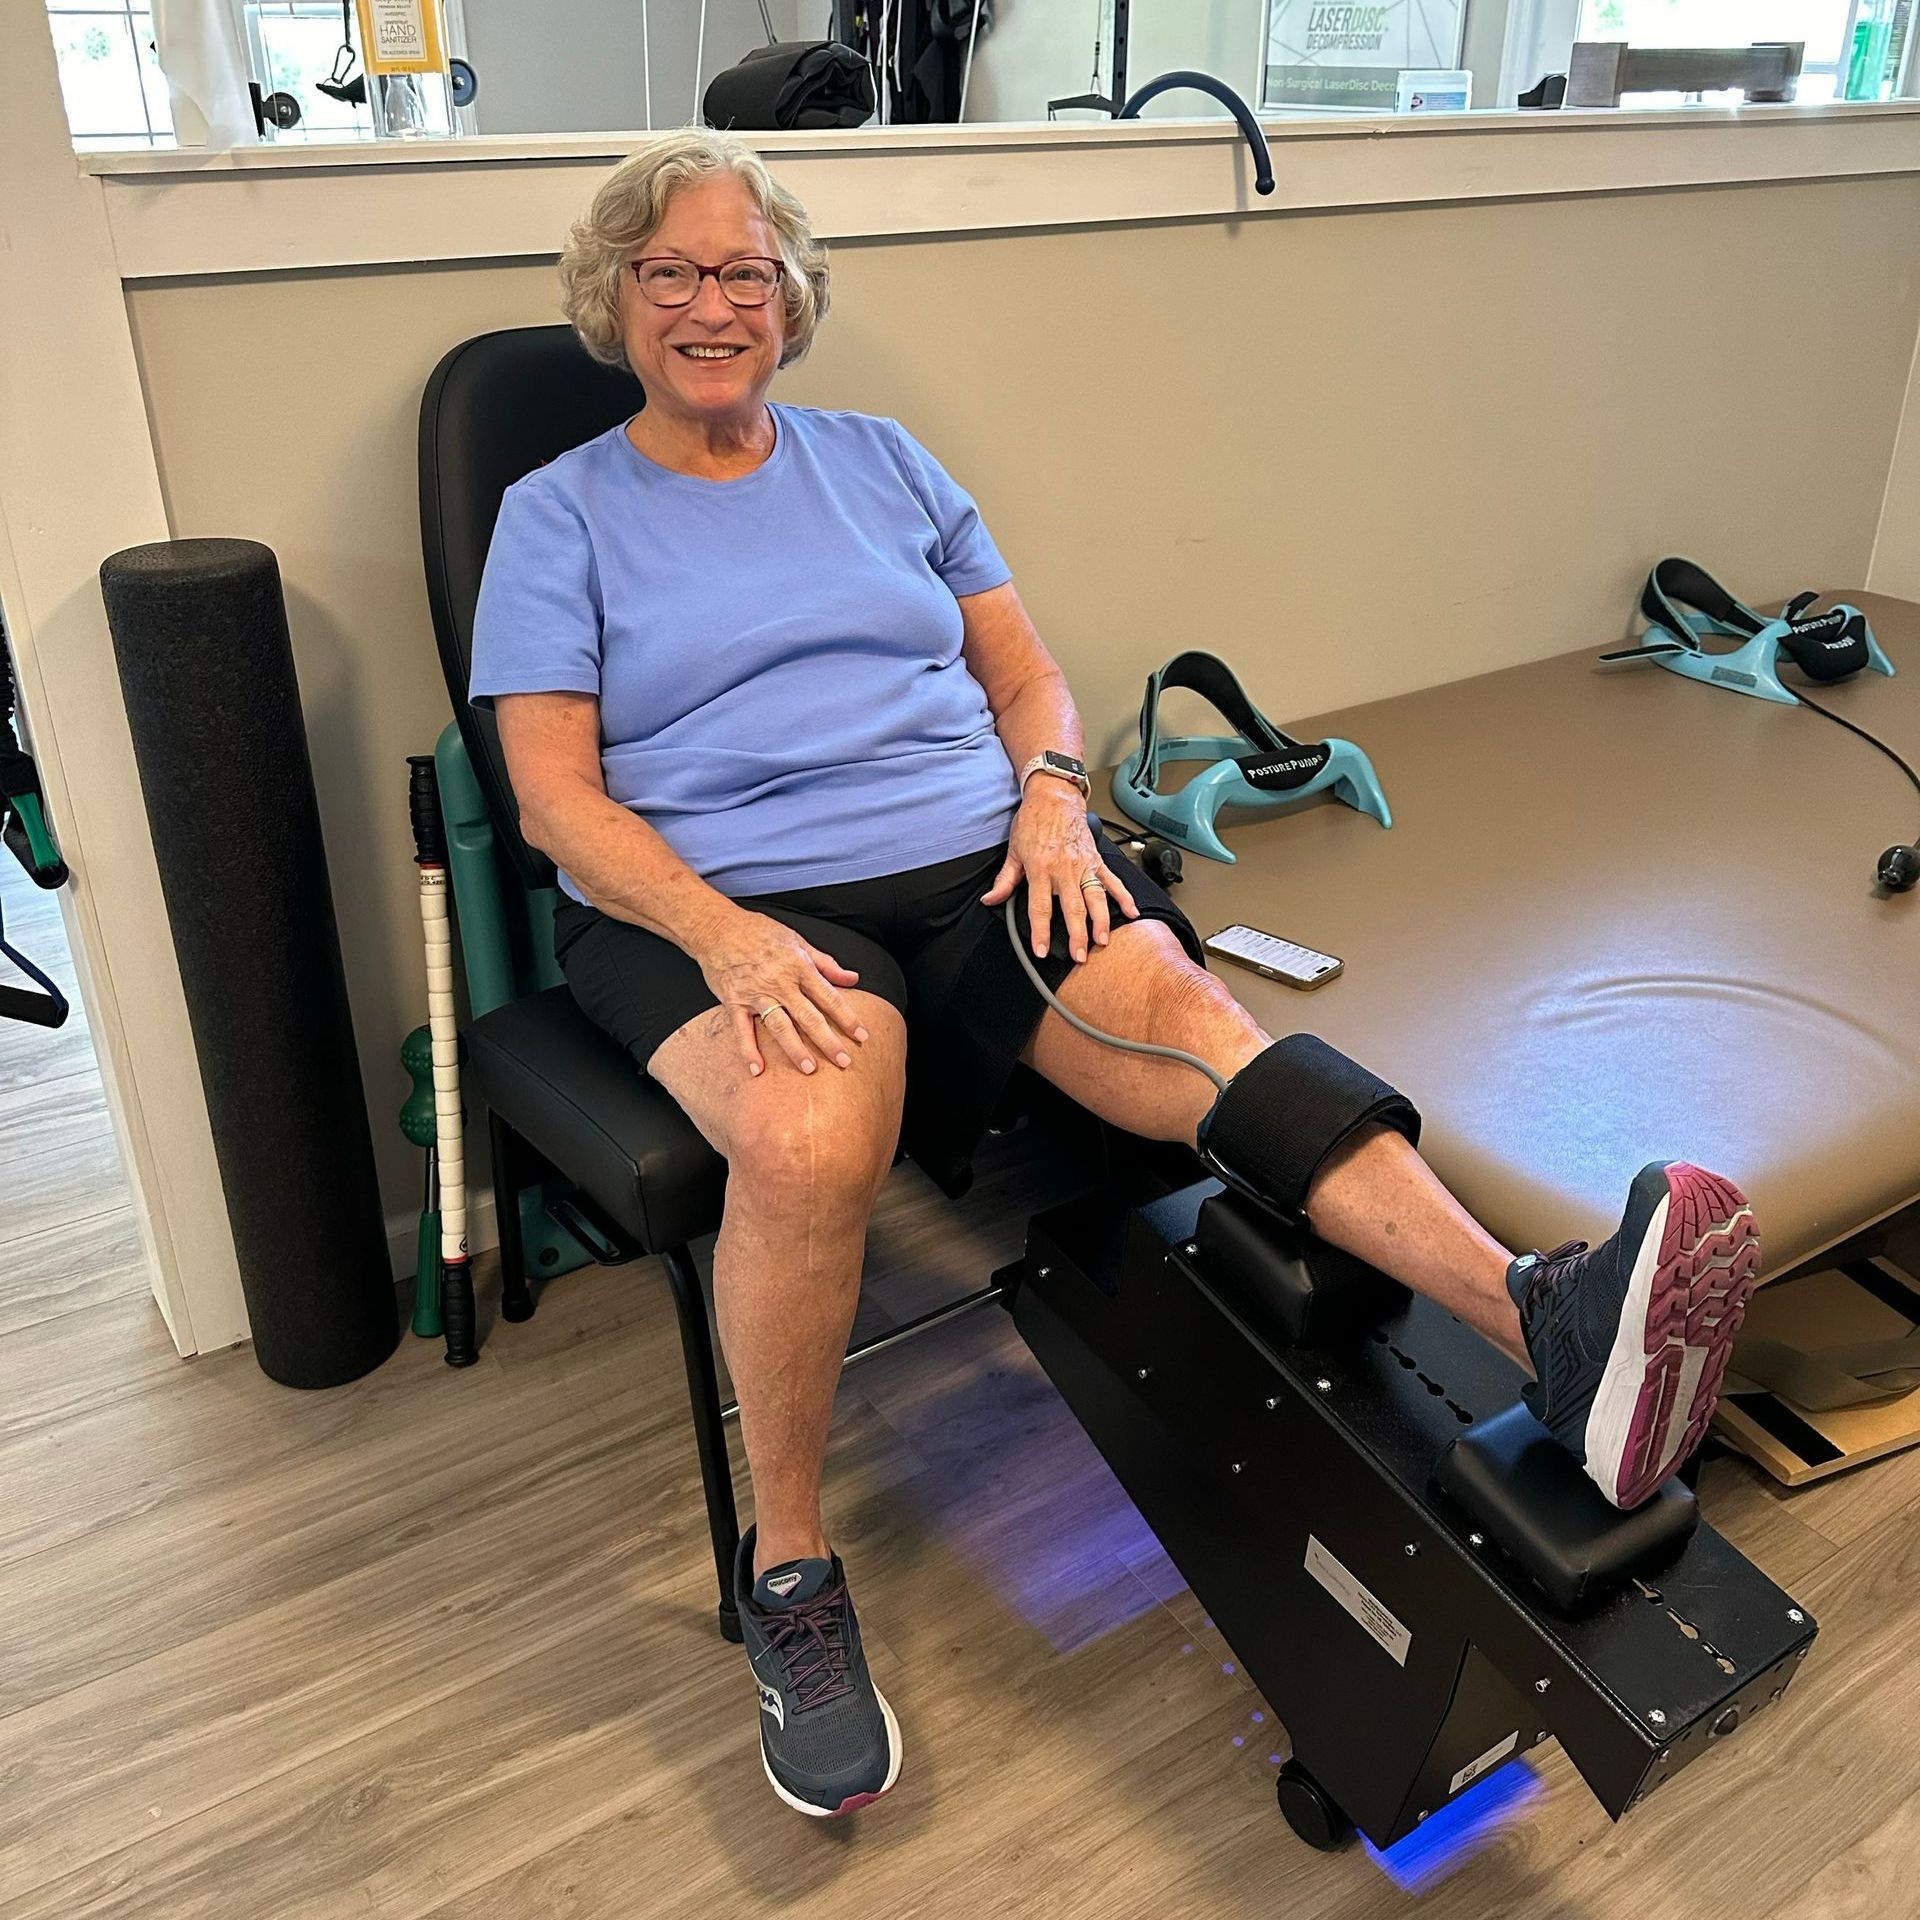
(1829, 646)
(1676, 583)
(1279, 762)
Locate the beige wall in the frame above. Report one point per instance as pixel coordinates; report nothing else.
(1356, 453)
(1896, 547)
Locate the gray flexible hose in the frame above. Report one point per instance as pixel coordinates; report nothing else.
(1094, 1033)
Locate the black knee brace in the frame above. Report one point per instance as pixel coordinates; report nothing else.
(1286, 1110)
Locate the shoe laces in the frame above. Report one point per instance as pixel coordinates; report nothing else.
(814, 1644)
(1542, 1276)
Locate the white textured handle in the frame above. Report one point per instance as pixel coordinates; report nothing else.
(443, 1024)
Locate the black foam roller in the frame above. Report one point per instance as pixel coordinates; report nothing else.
(200, 633)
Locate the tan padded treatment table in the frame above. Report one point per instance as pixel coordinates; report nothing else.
(1620, 916)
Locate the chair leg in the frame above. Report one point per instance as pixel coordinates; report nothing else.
(709, 1430)
(516, 1297)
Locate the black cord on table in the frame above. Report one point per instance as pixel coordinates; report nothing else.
(1827, 713)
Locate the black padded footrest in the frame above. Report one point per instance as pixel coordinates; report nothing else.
(1534, 1499)
(1290, 1288)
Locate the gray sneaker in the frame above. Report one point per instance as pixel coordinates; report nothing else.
(828, 1739)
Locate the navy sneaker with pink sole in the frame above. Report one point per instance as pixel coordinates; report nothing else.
(829, 1741)
(1630, 1339)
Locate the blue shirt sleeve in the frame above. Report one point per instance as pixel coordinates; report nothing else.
(538, 624)
(969, 562)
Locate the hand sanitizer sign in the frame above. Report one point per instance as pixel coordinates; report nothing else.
(401, 36)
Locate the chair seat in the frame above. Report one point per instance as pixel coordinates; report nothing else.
(571, 1091)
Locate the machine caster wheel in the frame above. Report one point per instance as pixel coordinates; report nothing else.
(1310, 1811)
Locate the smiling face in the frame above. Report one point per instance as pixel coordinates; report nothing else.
(710, 362)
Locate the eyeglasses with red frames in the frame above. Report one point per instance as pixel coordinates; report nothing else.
(750, 281)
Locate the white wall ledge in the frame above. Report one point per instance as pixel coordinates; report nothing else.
(275, 209)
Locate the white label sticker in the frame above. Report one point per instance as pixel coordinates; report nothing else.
(1375, 1618)
(1491, 1758)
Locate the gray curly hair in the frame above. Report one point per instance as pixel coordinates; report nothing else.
(628, 208)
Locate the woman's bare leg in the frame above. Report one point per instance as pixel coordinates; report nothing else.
(1374, 1196)
(806, 1155)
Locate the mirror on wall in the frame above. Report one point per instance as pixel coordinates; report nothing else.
(298, 70)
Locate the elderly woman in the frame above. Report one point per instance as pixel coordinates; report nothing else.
(771, 703)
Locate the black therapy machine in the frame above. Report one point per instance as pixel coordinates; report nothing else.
(1419, 1579)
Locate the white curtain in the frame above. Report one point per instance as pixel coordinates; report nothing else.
(205, 62)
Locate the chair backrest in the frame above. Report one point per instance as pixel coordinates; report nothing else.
(498, 406)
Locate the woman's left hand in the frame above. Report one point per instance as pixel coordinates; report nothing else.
(1052, 847)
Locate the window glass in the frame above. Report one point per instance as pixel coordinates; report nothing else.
(556, 66)
(1818, 24)
(100, 73)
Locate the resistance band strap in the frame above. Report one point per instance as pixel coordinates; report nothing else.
(23, 828)
(1209, 676)
(23, 820)
(45, 1009)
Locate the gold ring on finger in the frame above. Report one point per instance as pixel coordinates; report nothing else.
(769, 1010)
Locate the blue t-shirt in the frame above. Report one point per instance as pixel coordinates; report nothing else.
(777, 658)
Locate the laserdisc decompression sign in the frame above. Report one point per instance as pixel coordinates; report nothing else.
(1350, 53)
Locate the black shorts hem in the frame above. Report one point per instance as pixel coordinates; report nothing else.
(920, 939)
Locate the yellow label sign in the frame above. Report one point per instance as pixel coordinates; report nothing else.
(401, 36)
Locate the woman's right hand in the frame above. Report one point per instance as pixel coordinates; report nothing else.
(766, 976)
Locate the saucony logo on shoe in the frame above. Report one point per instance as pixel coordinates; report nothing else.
(829, 1742)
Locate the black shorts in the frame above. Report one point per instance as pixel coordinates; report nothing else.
(921, 940)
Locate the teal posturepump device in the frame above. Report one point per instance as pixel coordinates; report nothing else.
(1683, 604)
(1259, 768)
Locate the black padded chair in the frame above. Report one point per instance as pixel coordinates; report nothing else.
(578, 1136)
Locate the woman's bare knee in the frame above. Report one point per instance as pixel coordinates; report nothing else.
(790, 1139)
(810, 1157)
(1191, 1009)
(1144, 987)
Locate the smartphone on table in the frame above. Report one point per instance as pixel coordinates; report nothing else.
(1273, 958)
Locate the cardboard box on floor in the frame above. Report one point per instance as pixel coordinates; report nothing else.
(1864, 1300)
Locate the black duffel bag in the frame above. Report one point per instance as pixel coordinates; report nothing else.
(792, 84)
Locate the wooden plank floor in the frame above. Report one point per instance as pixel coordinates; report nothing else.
(442, 1644)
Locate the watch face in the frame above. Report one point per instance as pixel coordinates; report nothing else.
(1066, 763)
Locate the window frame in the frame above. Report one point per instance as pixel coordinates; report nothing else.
(131, 12)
